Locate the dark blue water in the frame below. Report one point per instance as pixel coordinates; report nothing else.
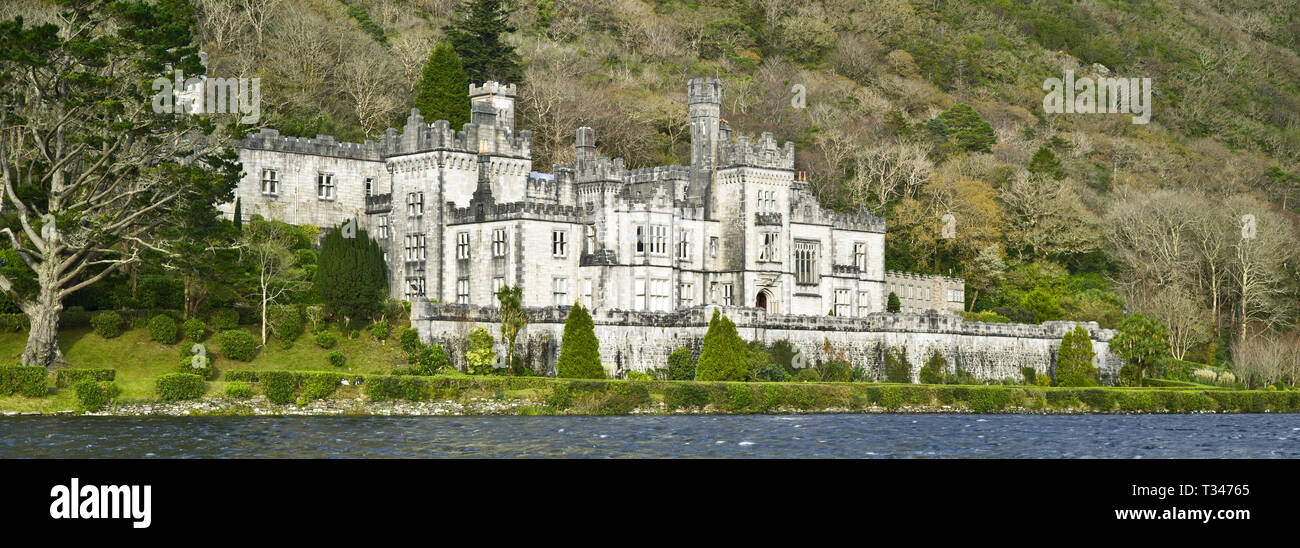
(852, 436)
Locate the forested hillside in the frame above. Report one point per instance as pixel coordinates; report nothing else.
(1083, 217)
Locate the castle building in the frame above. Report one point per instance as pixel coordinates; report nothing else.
(461, 214)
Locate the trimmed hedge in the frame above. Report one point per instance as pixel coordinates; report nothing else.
(179, 386)
(194, 329)
(162, 328)
(29, 381)
(70, 377)
(398, 388)
(94, 395)
(239, 389)
(108, 324)
(237, 345)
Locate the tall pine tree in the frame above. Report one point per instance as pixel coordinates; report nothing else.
(443, 93)
(723, 356)
(351, 276)
(476, 33)
(579, 351)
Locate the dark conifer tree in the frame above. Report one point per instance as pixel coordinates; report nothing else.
(476, 33)
(351, 277)
(579, 351)
(443, 93)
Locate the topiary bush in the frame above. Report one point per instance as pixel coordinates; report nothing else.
(326, 339)
(107, 324)
(93, 395)
(724, 352)
(337, 359)
(237, 345)
(23, 380)
(808, 375)
(579, 350)
(194, 329)
(224, 319)
(162, 328)
(279, 386)
(207, 371)
(70, 377)
(238, 389)
(179, 386)
(409, 339)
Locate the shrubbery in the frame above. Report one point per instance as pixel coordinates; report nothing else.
(409, 339)
(239, 389)
(279, 386)
(179, 386)
(935, 369)
(108, 324)
(680, 366)
(397, 388)
(724, 353)
(836, 371)
(224, 319)
(337, 359)
(326, 340)
(194, 329)
(285, 322)
(379, 330)
(1074, 360)
(162, 328)
(70, 377)
(579, 350)
(94, 395)
(23, 380)
(897, 368)
(237, 345)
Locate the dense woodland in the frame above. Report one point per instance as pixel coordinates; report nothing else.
(915, 110)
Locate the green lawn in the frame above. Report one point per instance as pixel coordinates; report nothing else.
(139, 361)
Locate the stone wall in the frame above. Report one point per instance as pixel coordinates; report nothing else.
(639, 341)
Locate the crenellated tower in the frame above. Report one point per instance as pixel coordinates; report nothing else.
(704, 97)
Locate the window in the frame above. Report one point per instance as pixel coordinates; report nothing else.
(559, 243)
(640, 240)
(659, 295)
(864, 304)
(686, 294)
(725, 294)
(560, 291)
(659, 240)
(270, 182)
(370, 186)
(684, 245)
(639, 303)
(586, 293)
(325, 186)
(713, 246)
(805, 261)
(841, 302)
(589, 239)
(462, 245)
(767, 201)
(415, 247)
(415, 204)
(499, 242)
(497, 284)
(769, 251)
(381, 231)
(860, 256)
(462, 291)
(414, 288)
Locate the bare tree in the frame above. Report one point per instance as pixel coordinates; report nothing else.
(259, 14)
(267, 244)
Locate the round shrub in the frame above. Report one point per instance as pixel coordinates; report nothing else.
(207, 371)
(107, 324)
(379, 330)
(409, 339)
(223, 319)
(94, 395)
(807, 375)
(337, 359)
(239, 389)
(162, 328)
(179, 386)
(680, 366)
(237, 345)
(325, 339)
(194, 329)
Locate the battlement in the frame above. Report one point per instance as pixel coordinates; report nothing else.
(483, 213)
(704, 90)
(761, 153)
(493, 88)
(898, 275)
(321, 145)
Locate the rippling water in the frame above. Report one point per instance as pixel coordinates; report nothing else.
(909, 436)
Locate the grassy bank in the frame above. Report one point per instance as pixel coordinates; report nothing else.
(138, 361)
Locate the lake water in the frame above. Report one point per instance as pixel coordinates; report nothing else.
(678, 436)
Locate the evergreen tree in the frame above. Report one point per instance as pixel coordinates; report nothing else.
(680, 366)
(443, 93)
(239, 216)
(724, 354)
(476, 33)
(1074, 360)
(1045, 163)
(969, 130)
(1141, 341)
(351, 276)
(579, 351)
(893, 305)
